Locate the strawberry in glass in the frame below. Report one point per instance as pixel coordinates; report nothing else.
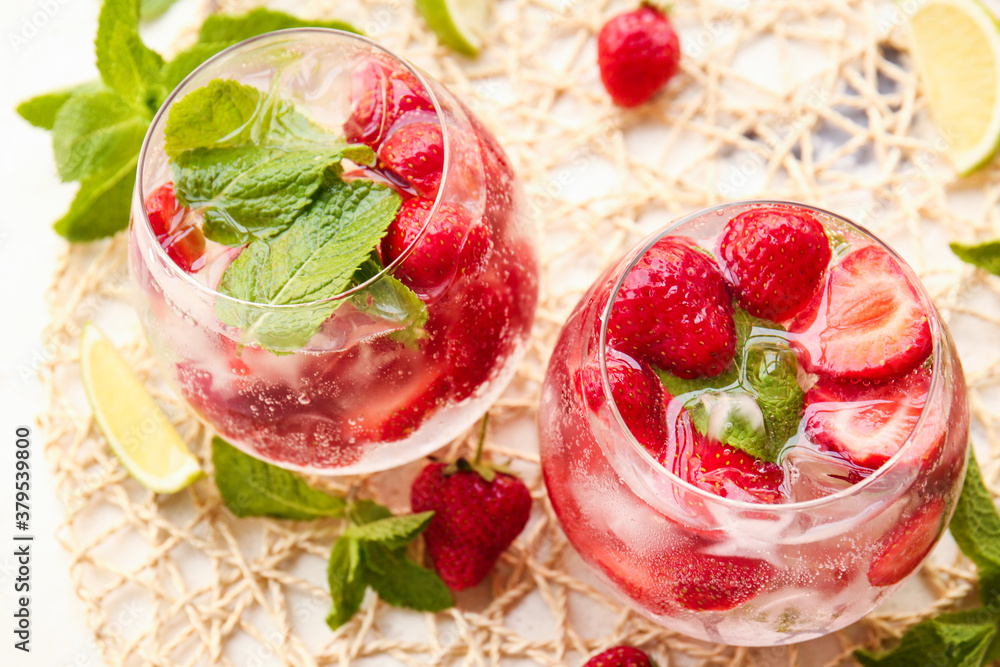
(337, 275)
(755, 425)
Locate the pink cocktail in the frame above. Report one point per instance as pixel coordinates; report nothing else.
(336, 269)
(755, 425)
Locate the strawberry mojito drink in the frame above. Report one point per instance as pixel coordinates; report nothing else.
(335, 269)
(755, 425)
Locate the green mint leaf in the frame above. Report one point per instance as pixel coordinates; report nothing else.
(390, 301)
(985, 255)
(101, 206)
(401, 582)
(96, 131)
(976, 529)
(772, 374)
(961, 639)
(367, 511)
(222, 114)
(188, 61)
(41, 111)
(150, 9)
(392, 532)
(127, 66)
(250, 487)
(345, 576)
(229, 29)
(313, 260)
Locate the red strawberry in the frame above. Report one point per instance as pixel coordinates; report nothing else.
(705, 582)
(775, 257)
(184, 243)
(865, 422)
(638, 394)
(905, 547)
(416, 153)
(674, 310)
(869, 323)
(637, 52)
(478, 513)
(452, 242)
(382, 92)
(620, 656)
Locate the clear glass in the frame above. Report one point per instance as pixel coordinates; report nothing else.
(788, 572)
(355, 398)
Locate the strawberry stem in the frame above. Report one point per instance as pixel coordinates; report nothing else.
(482, 440)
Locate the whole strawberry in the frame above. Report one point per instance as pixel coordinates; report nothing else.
(416, 153)
(775, 257)
(637, 52)
(620, 656)
(478, 512)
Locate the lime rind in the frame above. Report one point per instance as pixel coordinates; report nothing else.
(938, 74)
(135, 427)
(459, 24)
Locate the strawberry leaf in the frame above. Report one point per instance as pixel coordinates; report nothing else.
(976, 529)
(392, 532)
(345, 577)
(963, 639)
(984, 255)
(250, 487)
(402, 583)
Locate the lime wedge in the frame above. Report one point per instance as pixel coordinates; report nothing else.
(956, 45)
(139, 433)
(459, 24)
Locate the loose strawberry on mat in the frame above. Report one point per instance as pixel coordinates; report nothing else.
(775, 259)
(478, 513)
(416, 153)
(638, 52)
(869, 322)
(620, 656)
(674, 310)
(902, 550)
(866, 422)
(184, 243)
(382, 92)
(452, 244)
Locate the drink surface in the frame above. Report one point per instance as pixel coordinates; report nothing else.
(772, 436)
(332, 294)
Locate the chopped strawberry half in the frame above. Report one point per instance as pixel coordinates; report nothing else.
(187, 248)
(382, 91)
(637, 393)
(396, 416)
(161, 207)
(775, 259)
(869, 324)
(674, 310)
(184, 243)
(452, 244)
(416, 153)
(705, 582)
(867, 423)
(906, 546)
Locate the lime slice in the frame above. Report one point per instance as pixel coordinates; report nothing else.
(139, 433)
(459, 24)
(956, 45)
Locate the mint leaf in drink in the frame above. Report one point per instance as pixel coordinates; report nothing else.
(313, 260)
(126, 64)
(94, 131)
(230, 29)
(984, 255)
(41, 111)
(402, 583)
(963, 639)
(390, 301)
(345, 577)
(222, 114)
(976, 528)
(101, 206)
(392, 532)
(772, 375)
(250, 487)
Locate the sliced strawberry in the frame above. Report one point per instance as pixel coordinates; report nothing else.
(674, 309)
(382, 92)
(704, 582)
(416, 153)
(161, 207)
(905, 547)
(867, 423)
(184, 243)
(870, 324)
(638, 394)
(452, 244)
(775, 258)
(396, 414)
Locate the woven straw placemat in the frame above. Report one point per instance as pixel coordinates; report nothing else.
(815, 101)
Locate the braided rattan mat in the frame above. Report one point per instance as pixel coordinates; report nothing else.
(814, 101)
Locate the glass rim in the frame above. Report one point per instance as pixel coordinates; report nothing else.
(160, 116)
(642, 248)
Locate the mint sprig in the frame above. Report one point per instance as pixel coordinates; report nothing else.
(971, 637)
(97, 144)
